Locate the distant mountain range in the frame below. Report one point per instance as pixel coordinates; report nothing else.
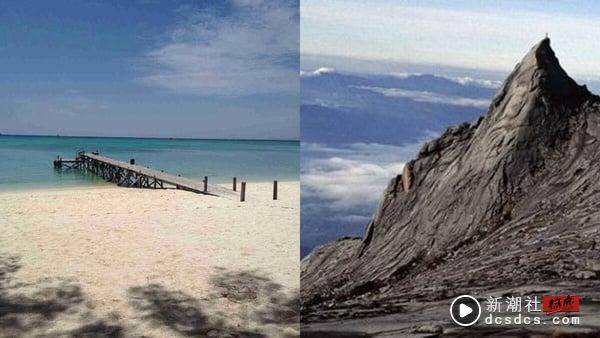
(338, 108)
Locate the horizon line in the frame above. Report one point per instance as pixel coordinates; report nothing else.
(152, 137)
(591, 77)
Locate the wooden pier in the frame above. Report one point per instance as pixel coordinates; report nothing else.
(130, 175)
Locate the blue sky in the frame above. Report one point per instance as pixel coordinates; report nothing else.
(201, 69)
(486, 35)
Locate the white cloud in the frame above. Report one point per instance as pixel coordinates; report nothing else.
(252, 50)
(425, 96)
(404, 75)
(474, 36)
(467, 81)
(317, 72)
(347, 183)
(351, 218)
(463, 80)
(353, 176)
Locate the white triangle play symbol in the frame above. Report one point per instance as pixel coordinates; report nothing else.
(464, 310)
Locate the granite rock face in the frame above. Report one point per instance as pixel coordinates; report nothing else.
(515, 192)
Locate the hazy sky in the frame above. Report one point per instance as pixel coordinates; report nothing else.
(205, 69)
(488, 35)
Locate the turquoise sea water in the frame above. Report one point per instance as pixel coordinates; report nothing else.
(26, 161)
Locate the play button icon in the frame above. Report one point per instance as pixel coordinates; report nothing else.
(465, 310)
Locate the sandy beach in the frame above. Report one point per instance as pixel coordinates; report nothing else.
(112, 261)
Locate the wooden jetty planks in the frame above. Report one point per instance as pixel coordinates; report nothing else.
(145, 177)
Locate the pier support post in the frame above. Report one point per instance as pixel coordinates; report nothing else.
(235, 184)
(205, 183)
(243, 192)
(274, 190)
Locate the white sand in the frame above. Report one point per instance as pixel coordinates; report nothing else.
(110, 241)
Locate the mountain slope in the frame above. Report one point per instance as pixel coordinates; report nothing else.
(508, 200)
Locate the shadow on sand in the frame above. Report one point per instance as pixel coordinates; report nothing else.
(264, 310)
(29, 309)
(255, 307)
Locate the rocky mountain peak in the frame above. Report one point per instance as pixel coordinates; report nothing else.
(527, 119)
(532, 106)
(541, 67)
(542, 56)
(477, 182)
(538, 77)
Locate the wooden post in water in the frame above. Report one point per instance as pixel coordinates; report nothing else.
(243, 192)
(274, 190)
(235, 184)
(205, 183)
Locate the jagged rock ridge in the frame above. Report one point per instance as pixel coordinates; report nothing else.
(522, 177)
